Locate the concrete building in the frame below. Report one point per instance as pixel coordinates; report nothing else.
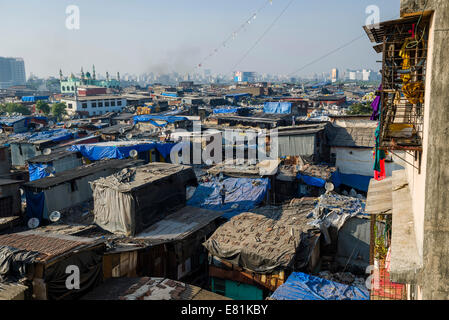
(12, 72)
(419, 206)
(71, 83)
(335, 75)
(94, 105)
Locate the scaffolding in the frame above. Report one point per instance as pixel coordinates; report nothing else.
(404, 44)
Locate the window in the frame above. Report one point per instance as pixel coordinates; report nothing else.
(119, 102)
(93, 113)
(112, 103)
(70, 105)
(106, 103)
(100, 104)
(84, 105)
(94, 104)
(63, 88)
(73, 88)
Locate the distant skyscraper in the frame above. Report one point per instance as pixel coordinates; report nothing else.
(335, 75)
(240, 76)
(12, 72)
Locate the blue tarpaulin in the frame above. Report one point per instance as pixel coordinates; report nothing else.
(277, 107)
(36, 205)
(301, 286)
(95, 152)
(153, 119)
(53, 135)
(10, 121)
(318, 182)
(242, 194)
(34, 98)
(173, 95)
(37, 171)
(226, 110)
(356, 181)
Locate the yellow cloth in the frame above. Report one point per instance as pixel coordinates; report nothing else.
(405, 62)
(414, 92)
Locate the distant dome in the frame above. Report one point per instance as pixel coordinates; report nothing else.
(87, 74)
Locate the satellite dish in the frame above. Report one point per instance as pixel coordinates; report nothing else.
(54, 216)
(138, 126)
(329, 186)
(33, 223)
(47, 151)
(129, 136)
(21, 192)
(1, 130)
(49, 170)
(133, 153)
(122, 130)
(51, 123)
(69, 125)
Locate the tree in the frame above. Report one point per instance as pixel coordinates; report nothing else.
(360, 109)
(15, 108)
(43, 107)
(59, 110)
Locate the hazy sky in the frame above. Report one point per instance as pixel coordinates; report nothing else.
(136, 36)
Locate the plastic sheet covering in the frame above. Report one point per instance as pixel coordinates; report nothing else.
(226, 110)
(152, 119)
(277, 107)
(114, 211)
(333, 210)
(356, 181)
(34, 98)
(37, 171)
(52, 135)
(35, 205)
(10, 121)
(318, 182)
(242, 194)
(95, 152)
(14, 263)
(301, 286)
(91, 274)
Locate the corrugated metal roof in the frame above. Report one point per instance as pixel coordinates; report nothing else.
(352, 137)
(48, 245)
(179, 224)
(149, 289)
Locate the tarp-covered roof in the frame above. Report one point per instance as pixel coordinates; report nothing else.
(242, 194)
(301, 286)
(277, 107)
(55, 135)
(158, 121)
(266, 240)
(120, 150)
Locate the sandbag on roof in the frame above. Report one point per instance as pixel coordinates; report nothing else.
(265, 241)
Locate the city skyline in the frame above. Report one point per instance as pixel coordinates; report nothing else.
(132, 38)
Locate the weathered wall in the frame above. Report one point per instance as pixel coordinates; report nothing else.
(435, 275)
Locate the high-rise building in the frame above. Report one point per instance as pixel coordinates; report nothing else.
(12, 72)
(240, 76)
(335, 75)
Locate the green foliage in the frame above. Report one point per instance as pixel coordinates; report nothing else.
(15, 107)
(59, 110)
(360, 109)
(43, 107)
